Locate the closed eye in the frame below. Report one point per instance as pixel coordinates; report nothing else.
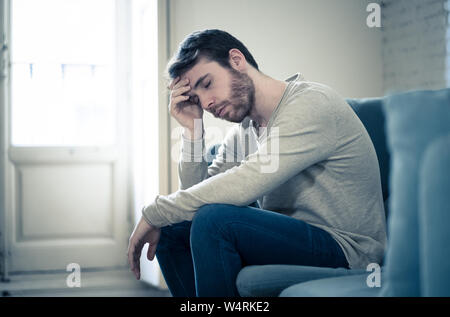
(207, 85)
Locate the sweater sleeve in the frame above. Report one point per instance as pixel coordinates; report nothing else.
(303, 134)
(192, 166)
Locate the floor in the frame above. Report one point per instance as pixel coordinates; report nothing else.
(114, 283)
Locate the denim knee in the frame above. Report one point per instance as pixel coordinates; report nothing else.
(208, 214)
(174, 237)
(207, 220)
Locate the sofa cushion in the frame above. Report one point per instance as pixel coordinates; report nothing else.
(414, 120)
(270, 280)
(211, 153)
(434, 219)
(343, 286)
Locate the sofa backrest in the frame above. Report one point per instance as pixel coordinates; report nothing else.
(370, 112)
(417, 123)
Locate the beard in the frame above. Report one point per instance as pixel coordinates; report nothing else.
(242, 99)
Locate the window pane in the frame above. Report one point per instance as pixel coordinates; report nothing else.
(62, 73)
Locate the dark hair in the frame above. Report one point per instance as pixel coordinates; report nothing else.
(212, 44)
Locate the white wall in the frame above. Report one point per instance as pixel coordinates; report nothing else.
(327, 41)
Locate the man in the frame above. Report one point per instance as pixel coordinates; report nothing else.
(321, 202)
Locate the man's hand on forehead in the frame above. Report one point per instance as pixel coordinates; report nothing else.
(184, 107)
(177, 81)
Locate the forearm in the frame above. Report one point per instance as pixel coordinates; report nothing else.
(240, 185)
(192, 167)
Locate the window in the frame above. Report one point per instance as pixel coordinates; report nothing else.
(62, 72)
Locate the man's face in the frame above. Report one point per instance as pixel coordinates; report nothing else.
(226, 93)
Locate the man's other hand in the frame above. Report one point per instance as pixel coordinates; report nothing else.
(143, 233)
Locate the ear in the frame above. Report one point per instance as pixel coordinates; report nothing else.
(237, 60)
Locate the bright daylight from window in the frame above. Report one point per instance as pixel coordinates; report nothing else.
(62, 64)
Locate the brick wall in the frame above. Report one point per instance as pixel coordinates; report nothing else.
(416, 44)
(447, 42)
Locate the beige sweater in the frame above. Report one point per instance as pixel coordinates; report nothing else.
(314, 162)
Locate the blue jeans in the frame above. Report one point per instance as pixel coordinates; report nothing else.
(203, 257)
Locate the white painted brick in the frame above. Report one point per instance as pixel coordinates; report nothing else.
(416, 44)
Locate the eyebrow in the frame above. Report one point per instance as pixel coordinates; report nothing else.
(199, 81)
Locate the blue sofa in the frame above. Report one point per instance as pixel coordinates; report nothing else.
(411, 135)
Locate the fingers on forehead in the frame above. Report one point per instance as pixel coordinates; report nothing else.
(173, 82)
